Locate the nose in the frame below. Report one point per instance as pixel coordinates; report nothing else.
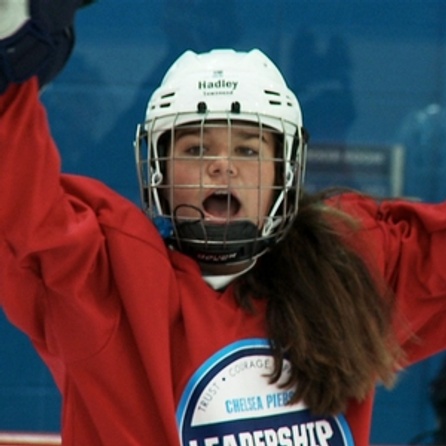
(222, 165)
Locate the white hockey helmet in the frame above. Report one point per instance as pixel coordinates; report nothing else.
(230, 87)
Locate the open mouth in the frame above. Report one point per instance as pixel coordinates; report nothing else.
(221, 205)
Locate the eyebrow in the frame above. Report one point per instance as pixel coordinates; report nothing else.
(182, 132)
(246, 134)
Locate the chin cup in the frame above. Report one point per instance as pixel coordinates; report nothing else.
(212, 243)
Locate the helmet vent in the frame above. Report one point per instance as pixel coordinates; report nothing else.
(276, 95)
(168, 95)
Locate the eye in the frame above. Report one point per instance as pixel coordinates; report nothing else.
(247, 151)
(194, 150)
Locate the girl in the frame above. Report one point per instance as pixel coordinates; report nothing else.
(241, 312)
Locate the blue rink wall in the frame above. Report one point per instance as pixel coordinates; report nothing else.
(368, 73)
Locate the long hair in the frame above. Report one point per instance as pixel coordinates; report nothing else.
(328, 313)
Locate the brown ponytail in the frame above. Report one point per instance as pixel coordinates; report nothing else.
(327, 312)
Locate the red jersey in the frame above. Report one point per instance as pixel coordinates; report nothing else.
(143, 350)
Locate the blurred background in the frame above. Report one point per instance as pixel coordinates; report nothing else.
(370, 76)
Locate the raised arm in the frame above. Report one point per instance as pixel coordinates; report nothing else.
(29, 164)
(51, 245)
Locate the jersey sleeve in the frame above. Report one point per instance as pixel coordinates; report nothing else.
(407, 240)
(52, 252)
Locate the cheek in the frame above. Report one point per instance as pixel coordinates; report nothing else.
(267, 177)
(271, 174)
(268, 181)
(263, 194)
(181, 175)
(185, 173)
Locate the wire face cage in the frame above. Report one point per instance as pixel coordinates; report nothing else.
(220, 189)
(221, 155)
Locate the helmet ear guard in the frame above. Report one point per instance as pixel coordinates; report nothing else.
(219, 86)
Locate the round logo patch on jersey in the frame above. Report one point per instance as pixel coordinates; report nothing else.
(229, 402)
